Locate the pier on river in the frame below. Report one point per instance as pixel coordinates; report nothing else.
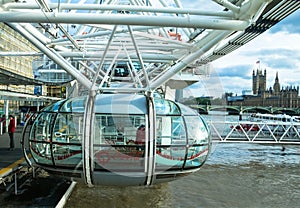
(228, 128)
(238, 110)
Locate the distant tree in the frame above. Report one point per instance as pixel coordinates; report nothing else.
(218, 101)
(203, 100)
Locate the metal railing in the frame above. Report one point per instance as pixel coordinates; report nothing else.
(2, 127)
(255, 132)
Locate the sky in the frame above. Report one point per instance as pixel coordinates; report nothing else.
(277, 50)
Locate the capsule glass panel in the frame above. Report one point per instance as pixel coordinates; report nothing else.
(74, 105)
(54, 107)
(40, 138)
(198, 141)
(182, 141)
(171, 142)
(119, 143)
(67, 139)
(166, 107)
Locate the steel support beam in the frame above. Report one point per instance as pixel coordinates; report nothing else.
(118, 19)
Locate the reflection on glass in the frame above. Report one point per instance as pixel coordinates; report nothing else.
(57, 137)
(198, 141)
(54, 107)
(67, 139)
(172, 149)
(171, 142)
(166, 107)
(74, 105)
(40, 136)
(117, 143)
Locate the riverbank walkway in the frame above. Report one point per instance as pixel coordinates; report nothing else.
(31, 190)
(10, 160)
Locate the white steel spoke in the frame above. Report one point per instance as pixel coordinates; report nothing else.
(159, 39)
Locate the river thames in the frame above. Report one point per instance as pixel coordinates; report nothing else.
(235, 175)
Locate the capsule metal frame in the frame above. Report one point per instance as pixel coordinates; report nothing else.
(117, 139)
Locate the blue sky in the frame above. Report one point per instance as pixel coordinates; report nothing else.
(277, 49)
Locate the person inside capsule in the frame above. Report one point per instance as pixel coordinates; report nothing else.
(140, 138)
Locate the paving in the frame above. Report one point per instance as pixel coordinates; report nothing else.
(31, 190)
(10, 160)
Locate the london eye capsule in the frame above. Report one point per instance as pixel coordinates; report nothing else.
(118, 139)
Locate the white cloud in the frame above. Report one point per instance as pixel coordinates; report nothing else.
(277, 52)
(252, 51)
(208, 86)
(201, 5)
(277, 49)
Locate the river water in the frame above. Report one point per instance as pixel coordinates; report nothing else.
(235, 175)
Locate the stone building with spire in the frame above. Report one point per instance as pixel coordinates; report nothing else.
(259, 81)
(287, 97)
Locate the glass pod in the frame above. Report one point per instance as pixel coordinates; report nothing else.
(118, 139)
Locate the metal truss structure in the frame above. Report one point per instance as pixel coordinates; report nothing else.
(256, 132)
(132, 47)
(138, 45)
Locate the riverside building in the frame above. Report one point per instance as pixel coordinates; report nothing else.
(276, 96)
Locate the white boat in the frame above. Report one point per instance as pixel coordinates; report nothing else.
(274, 118)
(277, 123)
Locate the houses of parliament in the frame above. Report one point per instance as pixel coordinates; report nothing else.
(277, 96)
